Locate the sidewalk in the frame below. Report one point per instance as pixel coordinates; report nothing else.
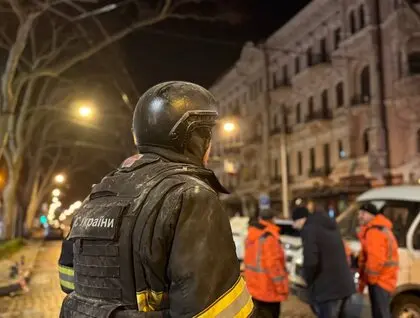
(29, 254)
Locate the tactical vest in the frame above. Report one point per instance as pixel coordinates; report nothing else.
(107, 274)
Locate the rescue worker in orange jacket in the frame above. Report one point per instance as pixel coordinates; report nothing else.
(265, 271)
(378, 259)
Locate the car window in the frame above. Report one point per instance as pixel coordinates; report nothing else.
(401, 216)
(416, 238)
(349, 222)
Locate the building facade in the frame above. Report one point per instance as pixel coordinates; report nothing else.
(340, 84)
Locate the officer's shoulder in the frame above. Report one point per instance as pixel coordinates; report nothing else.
(194, 186)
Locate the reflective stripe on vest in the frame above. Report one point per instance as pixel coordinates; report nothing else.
(66, 275)
(236, 302)
(149, 300)
(389, 262)
(259, 268)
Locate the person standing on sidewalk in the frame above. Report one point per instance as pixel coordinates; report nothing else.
(325, 265)
(378, 259)
(265, 270)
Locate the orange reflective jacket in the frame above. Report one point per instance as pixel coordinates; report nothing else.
(265, 272)
(378, 259)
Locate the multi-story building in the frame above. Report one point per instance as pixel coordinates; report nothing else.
(344, 96)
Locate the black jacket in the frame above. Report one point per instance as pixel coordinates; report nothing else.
(326, 270)
(186, 249)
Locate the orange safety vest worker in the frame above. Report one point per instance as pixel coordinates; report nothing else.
(265, 273)
(378, 259)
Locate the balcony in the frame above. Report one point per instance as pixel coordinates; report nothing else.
(318, 67)
(319, 172)
(320, 115)
(281, 90)
(278, 179)
(278, 130)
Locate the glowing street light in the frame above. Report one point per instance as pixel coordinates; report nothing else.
(229, 127)
(85, 111)
(59, 178)
(56, 192)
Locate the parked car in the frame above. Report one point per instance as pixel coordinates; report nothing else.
(401, 204)
(52, 233)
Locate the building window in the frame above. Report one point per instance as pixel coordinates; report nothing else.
(275, 121)
(366, 142)
(298, 114)
(341, 152)
(312, 159)
(276, 168)
(362, 21)
(352, 21)
(337, 38)
(339, 94)
(323, 49)
(310, 106)
(297, 65)
(309, 57)
(299, 163)
(365, 90)
(414, 63)
(327, 162)
(324, 102)
(418, 141)
(285, 74)
(274, 80)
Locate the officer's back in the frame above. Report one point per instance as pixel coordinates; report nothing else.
(152, 239)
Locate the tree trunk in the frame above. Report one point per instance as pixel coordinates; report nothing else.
(32, 206)
(10, 206)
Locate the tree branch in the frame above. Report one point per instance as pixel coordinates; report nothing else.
(12, 63)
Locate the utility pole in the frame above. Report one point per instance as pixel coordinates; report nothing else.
(383, 132)
(283, 151)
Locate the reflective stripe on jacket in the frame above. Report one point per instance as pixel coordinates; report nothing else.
(378, 260)
(265, 272)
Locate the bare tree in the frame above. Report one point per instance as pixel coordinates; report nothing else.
(34, 66)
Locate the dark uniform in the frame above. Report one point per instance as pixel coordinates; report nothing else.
(152, 239)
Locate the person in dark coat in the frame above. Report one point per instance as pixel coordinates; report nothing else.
(325, 266)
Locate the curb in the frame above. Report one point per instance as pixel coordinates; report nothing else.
(9, 290)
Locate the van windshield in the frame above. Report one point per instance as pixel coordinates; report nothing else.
(348, 223)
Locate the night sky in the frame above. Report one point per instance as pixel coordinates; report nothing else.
(192, 51)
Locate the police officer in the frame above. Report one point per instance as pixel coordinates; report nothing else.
(152, 239)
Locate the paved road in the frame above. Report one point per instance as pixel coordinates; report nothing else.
(45, 296)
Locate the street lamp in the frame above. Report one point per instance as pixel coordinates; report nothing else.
(59, 178)
(85, 111)
(56, 192)
(229, 127)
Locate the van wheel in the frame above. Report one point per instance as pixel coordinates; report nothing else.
(406, 306)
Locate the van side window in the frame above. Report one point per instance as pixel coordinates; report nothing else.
(416, 238)
(399, 213)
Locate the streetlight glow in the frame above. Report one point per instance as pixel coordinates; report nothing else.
(85, 111)
(56, 192)
(229, 127)
(59, 178)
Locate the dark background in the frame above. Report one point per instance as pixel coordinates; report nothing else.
(189, 50)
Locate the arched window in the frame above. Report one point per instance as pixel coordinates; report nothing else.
(365, 90)
(352, 21)
(362, 21)
(366, 142)
(418, 141)
(324, 102)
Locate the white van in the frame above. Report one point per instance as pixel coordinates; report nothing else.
(400, 204)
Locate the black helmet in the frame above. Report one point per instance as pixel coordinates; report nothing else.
(167, 114)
